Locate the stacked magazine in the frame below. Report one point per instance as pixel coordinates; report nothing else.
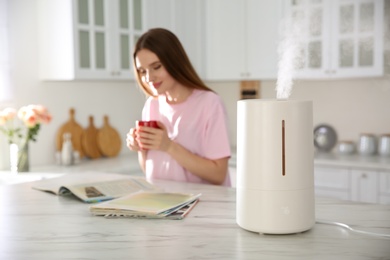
(117, 195)
(148, 204)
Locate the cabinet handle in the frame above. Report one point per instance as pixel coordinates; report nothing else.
(364, 176)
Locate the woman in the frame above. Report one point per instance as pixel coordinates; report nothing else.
(191, 143)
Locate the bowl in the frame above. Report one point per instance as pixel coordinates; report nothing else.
(325, 138)
(346, 148)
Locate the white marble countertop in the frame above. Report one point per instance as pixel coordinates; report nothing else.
(375, 162)
(40, 225)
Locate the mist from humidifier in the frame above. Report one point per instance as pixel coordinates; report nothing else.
(290, 58)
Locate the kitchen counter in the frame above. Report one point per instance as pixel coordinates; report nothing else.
(126, 164)
(40, 225)
(376, 162)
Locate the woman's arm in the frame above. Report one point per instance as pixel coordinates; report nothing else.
(213, 171)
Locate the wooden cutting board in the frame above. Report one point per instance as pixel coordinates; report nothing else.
(75, 130)
(108, 139)
(89, 140)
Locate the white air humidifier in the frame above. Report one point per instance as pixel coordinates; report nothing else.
(275, 179)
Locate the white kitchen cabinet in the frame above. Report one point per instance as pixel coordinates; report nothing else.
(185, 19)
(336, 38)
(332, 182)
(384, 187)
(352, 183)
(160, 14)
(88, 39)
(364, 186)
(241, 39)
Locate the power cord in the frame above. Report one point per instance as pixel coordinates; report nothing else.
(351, 229)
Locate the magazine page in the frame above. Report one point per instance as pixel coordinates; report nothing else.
(148, 203)
(85, 185)
(100, 191)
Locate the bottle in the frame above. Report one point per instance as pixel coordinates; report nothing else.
(67, 150)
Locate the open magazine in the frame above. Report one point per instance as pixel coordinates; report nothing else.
(148, 204)
(94, 187)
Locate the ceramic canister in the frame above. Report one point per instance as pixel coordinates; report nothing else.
(384, 145)
(367, 144)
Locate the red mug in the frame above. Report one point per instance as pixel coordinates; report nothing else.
(151, 123)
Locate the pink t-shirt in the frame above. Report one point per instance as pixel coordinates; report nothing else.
(199, 124)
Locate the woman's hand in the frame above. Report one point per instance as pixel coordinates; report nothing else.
(150, 138)
(131, 140)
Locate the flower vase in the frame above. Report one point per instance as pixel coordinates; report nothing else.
(19, 157)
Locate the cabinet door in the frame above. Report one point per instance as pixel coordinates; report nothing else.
(127, 27)
(336, 38)
(357, 38)
(242, 39)
(384, 188)
(332, 182)
(106, 32)
(88, 39)
(262, 38)
(160, 14)
(91, 38)
(189, 27)
(225, 39)
(185, 18)
(364, 186)
(306, 39)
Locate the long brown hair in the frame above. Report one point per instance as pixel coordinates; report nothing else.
(172, 56)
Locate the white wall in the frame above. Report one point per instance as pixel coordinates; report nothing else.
(121, 101)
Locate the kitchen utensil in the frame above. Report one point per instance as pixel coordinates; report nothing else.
(89, 140)
(108, 139)
(346, 147)
(384, 145)
(74, 129)
(325, 138)
(367, 144)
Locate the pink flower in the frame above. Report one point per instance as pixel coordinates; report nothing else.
(27, 115)
(7, 114)
(43, 114)
(32, 115)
